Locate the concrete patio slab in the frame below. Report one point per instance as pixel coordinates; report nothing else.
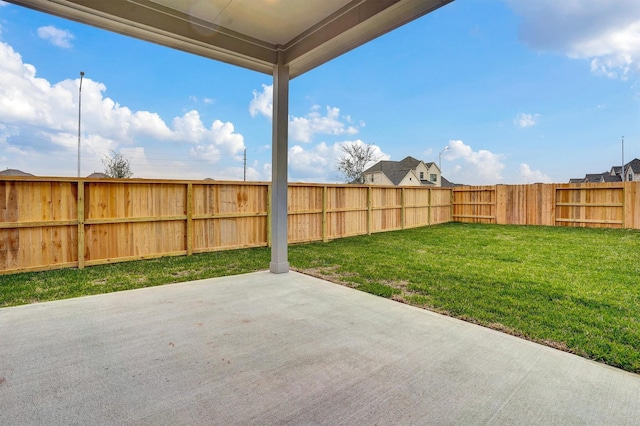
(263, 349)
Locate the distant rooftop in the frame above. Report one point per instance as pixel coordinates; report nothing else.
(98, 175)
(14, 172)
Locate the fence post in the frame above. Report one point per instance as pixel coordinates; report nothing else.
(80, 224)
(624, 205)
(189, 219)
(555, 206)
(429, 208)
(269, 215)
(500, 205)
(369, 213)
(402, 208)
(451, 202)
(324, 214)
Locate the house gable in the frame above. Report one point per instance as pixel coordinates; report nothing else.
(376, 178)
(410, 179)
(408, 171)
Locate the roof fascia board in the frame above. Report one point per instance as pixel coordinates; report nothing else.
(155, 23)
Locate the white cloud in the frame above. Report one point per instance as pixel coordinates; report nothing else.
(222, 141)
(604, 31)
(526, 120)
(312, 163)
(206, 101)
(318, 163)
(40, 121)
(303, 129)
(262, 102)
(472, 167)
(56, 36)
(189, 128)
(533, 176)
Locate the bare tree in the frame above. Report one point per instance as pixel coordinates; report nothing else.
(355, 160)
(117, 166)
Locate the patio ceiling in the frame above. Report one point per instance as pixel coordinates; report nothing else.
(254, 34)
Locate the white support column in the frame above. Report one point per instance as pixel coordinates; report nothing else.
(279, 176)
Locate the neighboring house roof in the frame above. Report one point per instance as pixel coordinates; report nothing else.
(634, 165)
(611, 176)
(98, 175)
(597, 178)
(14, 172)
(397, 170)
(607, 177)
(447, 184)
(594, 177)
(391, 169)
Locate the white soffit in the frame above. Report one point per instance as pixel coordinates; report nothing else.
(254, 34)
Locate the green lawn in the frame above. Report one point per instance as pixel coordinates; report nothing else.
(571, 288)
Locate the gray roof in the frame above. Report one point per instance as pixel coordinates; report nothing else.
(14, 172)
(445, 183)
(98, 175)
(607, 177)
(396, 170)
(634, 165)
(597, 177)
(611, 176)
(593, 177)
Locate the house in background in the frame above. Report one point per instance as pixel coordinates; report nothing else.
(14, 172)
(631, 174)
(407, 172)
(98, 175)
(632, 171)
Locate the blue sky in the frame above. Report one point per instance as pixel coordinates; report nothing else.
(520, 92)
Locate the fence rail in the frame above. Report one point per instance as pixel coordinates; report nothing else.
(50, 223)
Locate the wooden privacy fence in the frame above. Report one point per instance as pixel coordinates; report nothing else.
(609, 205)
(49, 223)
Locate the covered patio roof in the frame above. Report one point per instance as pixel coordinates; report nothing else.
(249, 33)
(284, 38)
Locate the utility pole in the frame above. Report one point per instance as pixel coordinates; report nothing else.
(245, 165)
(79, 117)
(622, 172)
